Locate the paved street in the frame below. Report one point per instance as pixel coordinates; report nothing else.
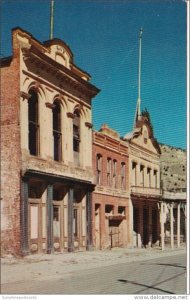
(163, 275)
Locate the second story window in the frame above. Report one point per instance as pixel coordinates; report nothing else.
(149, 176)
(57, 136)
(155, 178)
(33, 123)
(123, 175)
(114, 173)
(76, 136)
(109, 171)
(134, 173)
(98, 168)
(142, 174)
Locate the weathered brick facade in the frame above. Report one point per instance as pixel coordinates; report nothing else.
(111, 219)
(10, 154)
(46, 148)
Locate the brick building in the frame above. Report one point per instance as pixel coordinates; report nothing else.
(110, 205)
(46, 153)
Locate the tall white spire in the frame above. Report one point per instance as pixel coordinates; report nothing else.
(138, 107)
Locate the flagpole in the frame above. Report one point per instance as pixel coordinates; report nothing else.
(138, 109)
(51, 19)
(139, 84)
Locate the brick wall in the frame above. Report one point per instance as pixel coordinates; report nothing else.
(10, 156)
(104, 194)
(114, 154)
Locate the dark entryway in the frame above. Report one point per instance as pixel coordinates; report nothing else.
(145, 227)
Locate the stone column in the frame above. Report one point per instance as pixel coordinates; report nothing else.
(162, 226)
(178, 224)
(24, 217)
(70, 220)
(171, 226)
(89, 219)
(50, 219)
(130, 222)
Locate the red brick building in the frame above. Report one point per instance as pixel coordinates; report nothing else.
(110, 205)
(46, 148)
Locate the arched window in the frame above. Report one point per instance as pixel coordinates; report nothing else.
(33, 126)
(57, 136)
(76, 136)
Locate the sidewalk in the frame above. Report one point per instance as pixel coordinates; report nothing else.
(42, 266)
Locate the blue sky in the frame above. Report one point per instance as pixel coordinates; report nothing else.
(103, 36)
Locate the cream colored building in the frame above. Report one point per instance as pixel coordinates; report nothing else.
(54, 145)
(144, 176)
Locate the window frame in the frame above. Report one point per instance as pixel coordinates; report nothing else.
(57, 132)
(33, 123)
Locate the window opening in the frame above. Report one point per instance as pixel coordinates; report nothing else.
(149, 176)
(142, 174)
(33, 126)
(57, 131)
(99, 168)
(108, 209)
(75, 222)
(56, 221)
(156, 178)
(76, 136)
(114, 173)
(123, 174)
(109, 171)
(121, 210)
(134, 172)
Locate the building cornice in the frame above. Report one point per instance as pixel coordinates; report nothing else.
(33, 55)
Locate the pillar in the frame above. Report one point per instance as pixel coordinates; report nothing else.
(178, 224)
(70, 220)
(150, 226)
(89, 219)
(171, 226)
(50, 219)
(130, 217)
(162, 226)
(24, 217)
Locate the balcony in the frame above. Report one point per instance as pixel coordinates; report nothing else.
(141, 190)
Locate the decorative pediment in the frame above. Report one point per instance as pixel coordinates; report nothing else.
(60, 52)
(142, 135)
